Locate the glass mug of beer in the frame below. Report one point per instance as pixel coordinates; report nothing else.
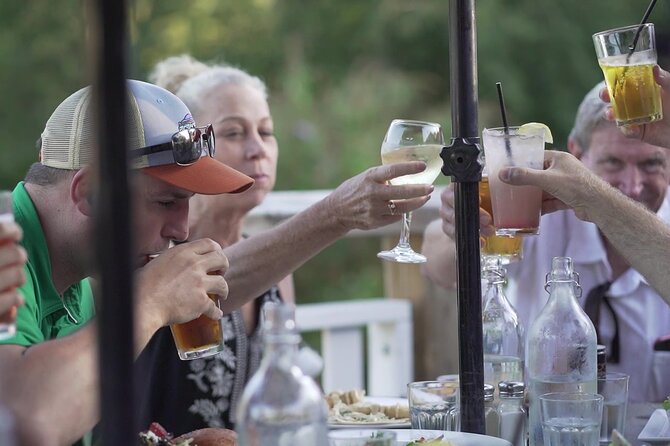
(199, 338)
(627, 64)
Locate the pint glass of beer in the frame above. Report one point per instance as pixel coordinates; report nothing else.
(200, 337)
(627, 65)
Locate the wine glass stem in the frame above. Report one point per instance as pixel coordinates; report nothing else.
(404, 231)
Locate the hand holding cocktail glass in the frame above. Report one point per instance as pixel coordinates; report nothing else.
(407, 140)
(12, 259)
(516, 209)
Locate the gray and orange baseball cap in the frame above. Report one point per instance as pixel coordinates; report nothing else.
(161, 131)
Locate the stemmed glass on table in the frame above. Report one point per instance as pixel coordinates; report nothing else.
(407, 140)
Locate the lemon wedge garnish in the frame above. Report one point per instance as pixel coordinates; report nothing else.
(534, 128)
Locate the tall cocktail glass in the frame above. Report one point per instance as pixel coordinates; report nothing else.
(516, 209)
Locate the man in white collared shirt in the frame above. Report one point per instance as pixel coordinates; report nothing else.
(641, 172)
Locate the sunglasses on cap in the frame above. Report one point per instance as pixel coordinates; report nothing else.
(184, 148)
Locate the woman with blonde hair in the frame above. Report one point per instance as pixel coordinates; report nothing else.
(187, 395)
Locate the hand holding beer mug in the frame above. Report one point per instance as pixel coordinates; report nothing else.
(627, 56)
(200, 337)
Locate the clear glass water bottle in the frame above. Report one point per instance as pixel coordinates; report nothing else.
(280, 405)
(561, 345)
(512, 413)
(503, 332)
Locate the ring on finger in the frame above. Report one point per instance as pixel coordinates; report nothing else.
(392, 207)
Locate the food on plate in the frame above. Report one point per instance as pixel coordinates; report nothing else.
(346, 397)
(439, 441)
(157, 435)
(666, 403)
(351, 407)
(209, 436)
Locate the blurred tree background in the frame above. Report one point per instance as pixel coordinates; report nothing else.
(338, 72)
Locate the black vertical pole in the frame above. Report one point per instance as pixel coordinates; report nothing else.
(108, 29)
(461, 161)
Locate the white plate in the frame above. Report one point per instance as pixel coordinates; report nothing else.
(390, 424)
(404, 436)
(657, 429)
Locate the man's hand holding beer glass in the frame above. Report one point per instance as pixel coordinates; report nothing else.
(181, 273)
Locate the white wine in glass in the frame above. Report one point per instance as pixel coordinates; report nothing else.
(407, 140)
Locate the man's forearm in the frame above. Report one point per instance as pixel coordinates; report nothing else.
(261, 261)
(639, 235)
(53, 386)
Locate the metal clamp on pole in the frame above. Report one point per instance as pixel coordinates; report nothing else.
(462, 160)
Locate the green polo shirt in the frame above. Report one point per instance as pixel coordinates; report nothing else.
(45, 314)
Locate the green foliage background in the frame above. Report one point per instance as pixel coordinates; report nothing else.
(338, 71)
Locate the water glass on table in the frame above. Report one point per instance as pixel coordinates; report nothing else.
(434, 405)
(614, 389)
(8, 319)
(627, 56)
(571, 418)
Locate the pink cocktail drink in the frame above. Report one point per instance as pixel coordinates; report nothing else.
(516, 209)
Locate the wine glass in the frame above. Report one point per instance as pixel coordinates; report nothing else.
(407, 140)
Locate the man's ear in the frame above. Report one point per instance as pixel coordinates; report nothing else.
(575, 148)
(80, 191)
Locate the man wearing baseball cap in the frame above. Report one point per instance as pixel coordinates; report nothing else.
(51, 362)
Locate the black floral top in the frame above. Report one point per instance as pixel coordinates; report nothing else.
(188, 395)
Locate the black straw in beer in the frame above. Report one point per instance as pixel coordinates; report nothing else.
(503, 113)
(645, 17)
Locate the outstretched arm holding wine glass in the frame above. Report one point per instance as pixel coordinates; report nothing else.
(361, 202)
